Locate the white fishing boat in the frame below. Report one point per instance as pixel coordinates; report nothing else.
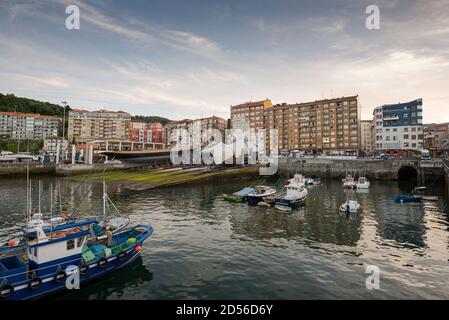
(362, 183)
(259, 193)
(350, 206)
(296, 193)
(349, 182)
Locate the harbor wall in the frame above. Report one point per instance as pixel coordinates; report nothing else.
(76, 169)
(446, 175)
(20, 169)
(426, 171)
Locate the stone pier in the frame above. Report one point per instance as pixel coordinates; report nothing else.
(425, 171)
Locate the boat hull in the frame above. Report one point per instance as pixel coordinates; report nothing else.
(232, 198)
(407, 199)
(290, 203)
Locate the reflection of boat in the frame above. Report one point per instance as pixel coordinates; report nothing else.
(259, 193)
(239, 196)
(362, 183)
(348, 182)
(350, 206)
(295, 195)
(407, 199)
(284, 208)
(430, 198)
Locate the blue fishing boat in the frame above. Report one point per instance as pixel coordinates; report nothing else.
(47, 257)
(407, 199)
(81, 248)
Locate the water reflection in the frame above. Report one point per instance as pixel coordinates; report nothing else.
(204, 247)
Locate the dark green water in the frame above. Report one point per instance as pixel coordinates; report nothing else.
(205, 248)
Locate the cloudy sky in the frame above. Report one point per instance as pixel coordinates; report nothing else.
(192, 58)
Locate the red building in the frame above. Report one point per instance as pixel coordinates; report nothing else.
(146, 132)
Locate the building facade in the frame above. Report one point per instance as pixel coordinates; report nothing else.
(85, 126)
(146, 132)
(399, 128)
(436, 138)
(187, 130)
(16, 125)
(53, 143)
(366, 130)
(329, 126)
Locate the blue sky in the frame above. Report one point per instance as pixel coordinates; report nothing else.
(186, 59)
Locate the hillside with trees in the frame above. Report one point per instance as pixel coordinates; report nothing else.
(152, 119)
(11, 103)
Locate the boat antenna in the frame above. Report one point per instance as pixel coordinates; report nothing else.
(96, 181)
(104, 199)
(39, 192)
(59, 195)
(28, 192)
(51, 207)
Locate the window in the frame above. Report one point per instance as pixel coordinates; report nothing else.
(70, 244)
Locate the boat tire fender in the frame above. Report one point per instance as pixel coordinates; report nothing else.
(103, 262)
(121, 256)
(84, 269)
(6, 290)
(60, 276)
(35, 283)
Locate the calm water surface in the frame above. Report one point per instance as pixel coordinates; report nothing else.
(206, 248)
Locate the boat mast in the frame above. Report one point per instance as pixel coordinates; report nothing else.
(39, 191)
(28, 192)
(59, 194)
(104, 200)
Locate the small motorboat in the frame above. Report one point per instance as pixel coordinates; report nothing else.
(296, 194)
(232, 198)
(407, 199)
(362, 183)
(348, 182)
(309, 181)
(316, 180)
(259, 193)
(420, 189)
(350, 206)
(239, 196)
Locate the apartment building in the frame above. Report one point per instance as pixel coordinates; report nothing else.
(198, 128)
(399, 128)
(436, 138)
(366, 131)
(329, 126)
(52, 143)
(17, 125)
(249, 114)
(85, 126)
(146, 132)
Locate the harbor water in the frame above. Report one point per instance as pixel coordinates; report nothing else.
(206, 248)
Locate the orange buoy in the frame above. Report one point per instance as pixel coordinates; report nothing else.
(138, 248)
(11, 243)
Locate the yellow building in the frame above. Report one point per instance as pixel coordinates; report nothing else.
(330, 126)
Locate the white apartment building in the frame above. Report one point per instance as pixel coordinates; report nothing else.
(398, 128)
(17, 125)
